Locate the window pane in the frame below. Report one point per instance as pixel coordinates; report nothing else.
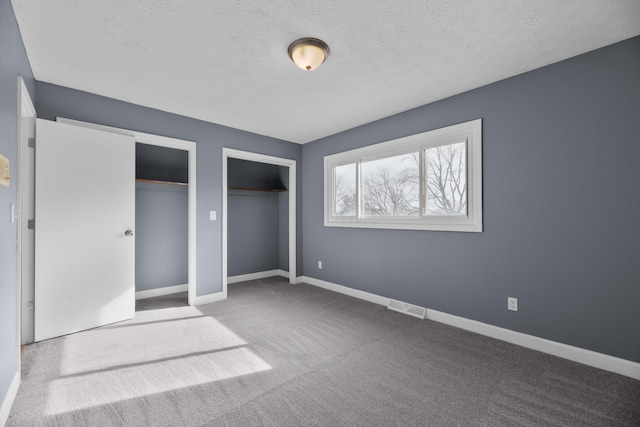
(446, 176)
(390, 186)
(345, 190)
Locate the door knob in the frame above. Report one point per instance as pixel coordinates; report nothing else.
(128, 233)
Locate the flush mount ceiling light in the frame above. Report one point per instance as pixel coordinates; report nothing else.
(308, 53)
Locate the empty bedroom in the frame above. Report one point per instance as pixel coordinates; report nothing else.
(411, 213)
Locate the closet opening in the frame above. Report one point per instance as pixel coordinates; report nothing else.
(162, 206)
(27, 192)
(165, 163)
(257, 209)
(259, 217)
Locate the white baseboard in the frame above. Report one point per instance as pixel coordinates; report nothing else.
(256, 276)
(587, 357)
(376, 299)
(283, 273)
(576, 354)
(9, 398)
(167, 290)
(209, 298)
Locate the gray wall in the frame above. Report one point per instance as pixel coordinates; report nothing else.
(252, 227)
(210, 138)
(13, 62)
(161, 236)
(561, 208)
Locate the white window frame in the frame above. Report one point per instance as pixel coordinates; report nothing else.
(470, 131)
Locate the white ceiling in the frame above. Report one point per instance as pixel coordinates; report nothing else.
(226, 61)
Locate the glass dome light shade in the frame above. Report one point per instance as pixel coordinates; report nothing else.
(308, 53)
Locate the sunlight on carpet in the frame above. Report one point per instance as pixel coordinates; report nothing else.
(106, 366)
(144, 341)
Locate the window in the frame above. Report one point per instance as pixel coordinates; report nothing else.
(345, 190)
(428, 181)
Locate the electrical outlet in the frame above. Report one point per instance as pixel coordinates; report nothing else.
(319, 265)
(512, 303)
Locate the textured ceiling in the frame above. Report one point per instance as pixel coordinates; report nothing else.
(226, 61)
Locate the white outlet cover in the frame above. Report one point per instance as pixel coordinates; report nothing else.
(212, 215)
(512, 303)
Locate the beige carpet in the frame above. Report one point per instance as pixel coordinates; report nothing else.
(276, 354)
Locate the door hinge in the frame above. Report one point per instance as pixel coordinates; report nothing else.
(31, 143)
(31, 224)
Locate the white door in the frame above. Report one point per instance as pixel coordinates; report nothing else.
(84, 218)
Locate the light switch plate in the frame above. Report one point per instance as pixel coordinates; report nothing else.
(212, 215)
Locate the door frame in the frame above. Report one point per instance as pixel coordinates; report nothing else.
(179, 144)
(26, 199)
(261, 158)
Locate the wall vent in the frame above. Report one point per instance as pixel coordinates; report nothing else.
(411, 310)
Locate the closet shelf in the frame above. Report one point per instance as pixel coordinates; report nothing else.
(269, 190)
(153, 181)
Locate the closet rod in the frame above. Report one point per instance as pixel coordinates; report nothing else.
(153, 181)
(269, 190)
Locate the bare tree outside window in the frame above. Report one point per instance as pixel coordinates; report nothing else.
(426, 181)
(345, 190)
(446, 179)
(391, 186)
